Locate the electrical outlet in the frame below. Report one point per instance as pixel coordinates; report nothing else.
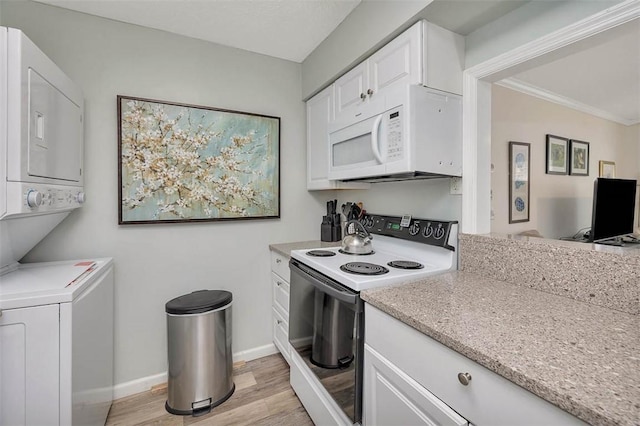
(455, 186)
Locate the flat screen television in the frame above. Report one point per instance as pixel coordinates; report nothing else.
(613, 208)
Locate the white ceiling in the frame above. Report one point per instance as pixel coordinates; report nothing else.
(603, 79)
(286, 29)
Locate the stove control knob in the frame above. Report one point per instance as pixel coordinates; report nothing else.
(34, 198)
(80, 197)
(439, 232)
(414, 228)
(428, 231)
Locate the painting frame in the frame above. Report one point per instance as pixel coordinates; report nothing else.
(557, 159)
(607, 169)
(579, 158)
(184, 163)
(519, 181)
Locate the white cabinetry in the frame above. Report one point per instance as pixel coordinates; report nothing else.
(280, 277)
(397, 63)
(410, 376)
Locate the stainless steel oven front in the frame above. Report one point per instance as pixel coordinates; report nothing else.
(326, 328)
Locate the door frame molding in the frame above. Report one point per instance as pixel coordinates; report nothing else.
(476, 103)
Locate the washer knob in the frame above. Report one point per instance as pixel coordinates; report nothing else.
(34, 198)
(80, 197)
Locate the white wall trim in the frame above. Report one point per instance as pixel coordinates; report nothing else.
(144, 384)
(476, 186)
(540, 93)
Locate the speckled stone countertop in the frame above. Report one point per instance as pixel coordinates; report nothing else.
(581, 357)
(286, 248)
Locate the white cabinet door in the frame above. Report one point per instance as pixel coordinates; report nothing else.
(319, 115)
(29, 366)
(351, 92)
(397, 63)
(391, 397)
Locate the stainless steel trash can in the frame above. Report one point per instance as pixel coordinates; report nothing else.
(199, 351)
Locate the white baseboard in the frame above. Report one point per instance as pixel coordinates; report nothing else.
(138, 385)
(144, 384)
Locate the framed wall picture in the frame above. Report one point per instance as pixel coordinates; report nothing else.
(607, 169)
(186, 163)
(579, 160)
(557, 158)
(519, 181)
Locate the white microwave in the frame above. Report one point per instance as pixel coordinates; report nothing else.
(411, 132)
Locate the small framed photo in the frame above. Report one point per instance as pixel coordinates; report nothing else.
(607, 169)
(519, 181)
(557, 157)
(579, 164)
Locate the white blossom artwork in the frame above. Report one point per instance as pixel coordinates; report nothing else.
(184, 163)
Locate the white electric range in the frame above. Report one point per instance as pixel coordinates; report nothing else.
(326, 313)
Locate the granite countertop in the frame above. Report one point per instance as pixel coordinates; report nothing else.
(286, 248)
(583, 358)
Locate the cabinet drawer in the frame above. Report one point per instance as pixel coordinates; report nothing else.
(280, 265)
(488, 399)
(280, 291)
(281, 334)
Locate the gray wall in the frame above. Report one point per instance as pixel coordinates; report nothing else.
(155, 263)
(527, 23)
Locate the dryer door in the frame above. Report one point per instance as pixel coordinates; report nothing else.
(55, 132)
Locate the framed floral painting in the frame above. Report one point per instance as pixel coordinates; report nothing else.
(185, 163)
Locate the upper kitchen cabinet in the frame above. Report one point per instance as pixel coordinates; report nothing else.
(424, 54)
(319, 114)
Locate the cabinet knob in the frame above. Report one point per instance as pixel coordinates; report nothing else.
(278, 260)
(363, 96)
(464, 378)
(279, 322)
(370, 92)
(278, 283)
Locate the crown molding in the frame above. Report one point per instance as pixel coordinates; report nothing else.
(532, 90)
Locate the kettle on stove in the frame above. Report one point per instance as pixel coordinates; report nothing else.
(358, 242)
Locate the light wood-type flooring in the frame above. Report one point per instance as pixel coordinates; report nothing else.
(263, 397)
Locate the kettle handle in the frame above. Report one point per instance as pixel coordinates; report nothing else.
(356, 222)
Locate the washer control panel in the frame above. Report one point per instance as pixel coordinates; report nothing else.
(25, 198)
(426, 231)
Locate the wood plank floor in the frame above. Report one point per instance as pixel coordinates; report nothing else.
(263, 397)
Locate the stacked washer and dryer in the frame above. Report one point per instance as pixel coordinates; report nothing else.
(56, 318)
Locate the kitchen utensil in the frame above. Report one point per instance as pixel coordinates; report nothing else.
(358, 242)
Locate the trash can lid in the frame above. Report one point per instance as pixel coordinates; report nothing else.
(198, 302)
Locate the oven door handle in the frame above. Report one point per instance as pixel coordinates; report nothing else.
(323, 283)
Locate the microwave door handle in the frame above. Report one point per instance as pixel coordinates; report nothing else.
(374, 139)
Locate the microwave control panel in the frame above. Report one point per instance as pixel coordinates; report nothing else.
(394, 134)
(425, 231)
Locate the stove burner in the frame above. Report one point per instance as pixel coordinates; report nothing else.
(363, 268)
(320, 253)
(405, 264)
(356, 254)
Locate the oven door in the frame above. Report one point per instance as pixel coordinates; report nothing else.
(326, 328)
